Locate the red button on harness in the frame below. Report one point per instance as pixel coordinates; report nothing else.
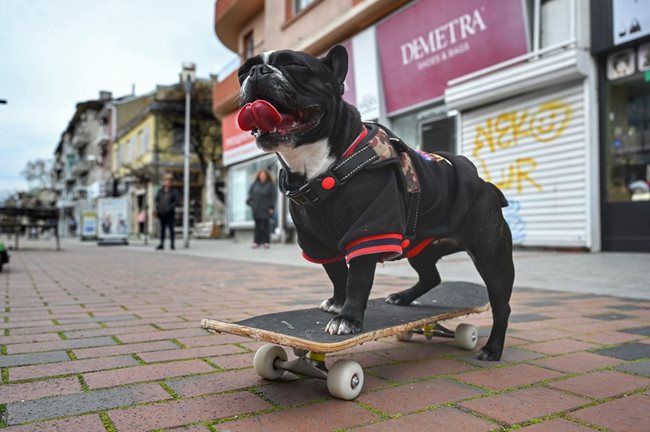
(328, 183)
(405, 243)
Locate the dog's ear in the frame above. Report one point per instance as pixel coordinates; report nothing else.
(337, 61)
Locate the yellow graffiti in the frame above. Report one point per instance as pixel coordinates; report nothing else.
(505, 131)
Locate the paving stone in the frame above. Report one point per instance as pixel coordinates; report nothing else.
(70, 367)
(215, 383)
(556, 425)
(409, 397)
(145, 373)
(177, 354)
(521, 405)
(510, 355)
(30, 359)
(627, 307)
(38, 389)
(629, 414)
(644, 331)
(329, 415)
(161, 334)
(41, 337)
(600, 385)
(79, 403)
(418, 370)
(510, 376)
(520, 318)
(182, 412)
(631, 351)
(443, 419)
(96, 319)
(543, 303)
(60, 345)
(236, 361)
(639, 368)
(610, 316)
(89, 423)
(124, 349)
(577, 362)
(608, 337)
(76, 334)
(560, 346)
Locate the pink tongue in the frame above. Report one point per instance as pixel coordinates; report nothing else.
(263, 116)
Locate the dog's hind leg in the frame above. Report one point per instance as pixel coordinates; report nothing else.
(490, 247)
(424, 264)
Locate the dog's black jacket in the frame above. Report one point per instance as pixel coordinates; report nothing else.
(368, 213)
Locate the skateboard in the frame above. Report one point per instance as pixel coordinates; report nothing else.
(304, 331)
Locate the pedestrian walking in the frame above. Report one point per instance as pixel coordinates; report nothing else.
(261, 198)
(142, 220)
(166, 202)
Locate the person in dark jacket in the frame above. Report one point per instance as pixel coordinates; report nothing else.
(166, 202)
(261, 198)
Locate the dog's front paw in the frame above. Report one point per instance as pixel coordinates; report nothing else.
(330, 306)
(342, 326)
(490, 353)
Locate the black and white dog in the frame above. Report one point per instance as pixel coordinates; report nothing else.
(359, 195)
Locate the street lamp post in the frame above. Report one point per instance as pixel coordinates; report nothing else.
(187, 77)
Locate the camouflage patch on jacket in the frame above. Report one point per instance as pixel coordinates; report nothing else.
(385, 150)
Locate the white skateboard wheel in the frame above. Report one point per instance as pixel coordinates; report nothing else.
(264, 361)
(466, 336)
(345, 379)
(404, 337)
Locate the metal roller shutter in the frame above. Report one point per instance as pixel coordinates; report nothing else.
(534, 148)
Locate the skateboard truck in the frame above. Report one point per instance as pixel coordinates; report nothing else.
(465, 336)
(344, 379)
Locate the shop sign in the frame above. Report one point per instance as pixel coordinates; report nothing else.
(434, 41)
(620, 64)
(113, 218)
(88, 224)
(631, 20)
(238, 145)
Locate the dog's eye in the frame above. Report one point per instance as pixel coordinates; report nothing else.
(296, 65)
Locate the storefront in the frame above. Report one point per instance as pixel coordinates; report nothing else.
(623, 52)
(505, 84)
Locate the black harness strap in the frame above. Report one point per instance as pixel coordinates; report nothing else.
(319, 188)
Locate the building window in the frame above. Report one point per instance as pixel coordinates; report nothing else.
(551, 22)
(627, 145)
(249, 45)
(300, 5)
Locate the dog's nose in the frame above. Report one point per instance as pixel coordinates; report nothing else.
(258, 70)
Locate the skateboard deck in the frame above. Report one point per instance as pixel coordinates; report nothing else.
(305, 328)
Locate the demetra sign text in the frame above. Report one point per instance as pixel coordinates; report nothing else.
(434, 41)
(451, 35)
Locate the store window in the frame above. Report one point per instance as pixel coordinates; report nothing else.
(627, 146)
(430, 130)
(241, 178)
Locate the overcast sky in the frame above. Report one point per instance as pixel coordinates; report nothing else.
(54, 54)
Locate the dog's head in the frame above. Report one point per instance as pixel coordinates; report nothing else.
(289, 98)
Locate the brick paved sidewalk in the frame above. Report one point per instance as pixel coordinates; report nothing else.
(108, 339)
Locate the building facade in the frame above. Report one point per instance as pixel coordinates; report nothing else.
(147, 142)
(511, 84)
(79, 170)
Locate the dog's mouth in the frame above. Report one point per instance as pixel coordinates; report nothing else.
(263, 118)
